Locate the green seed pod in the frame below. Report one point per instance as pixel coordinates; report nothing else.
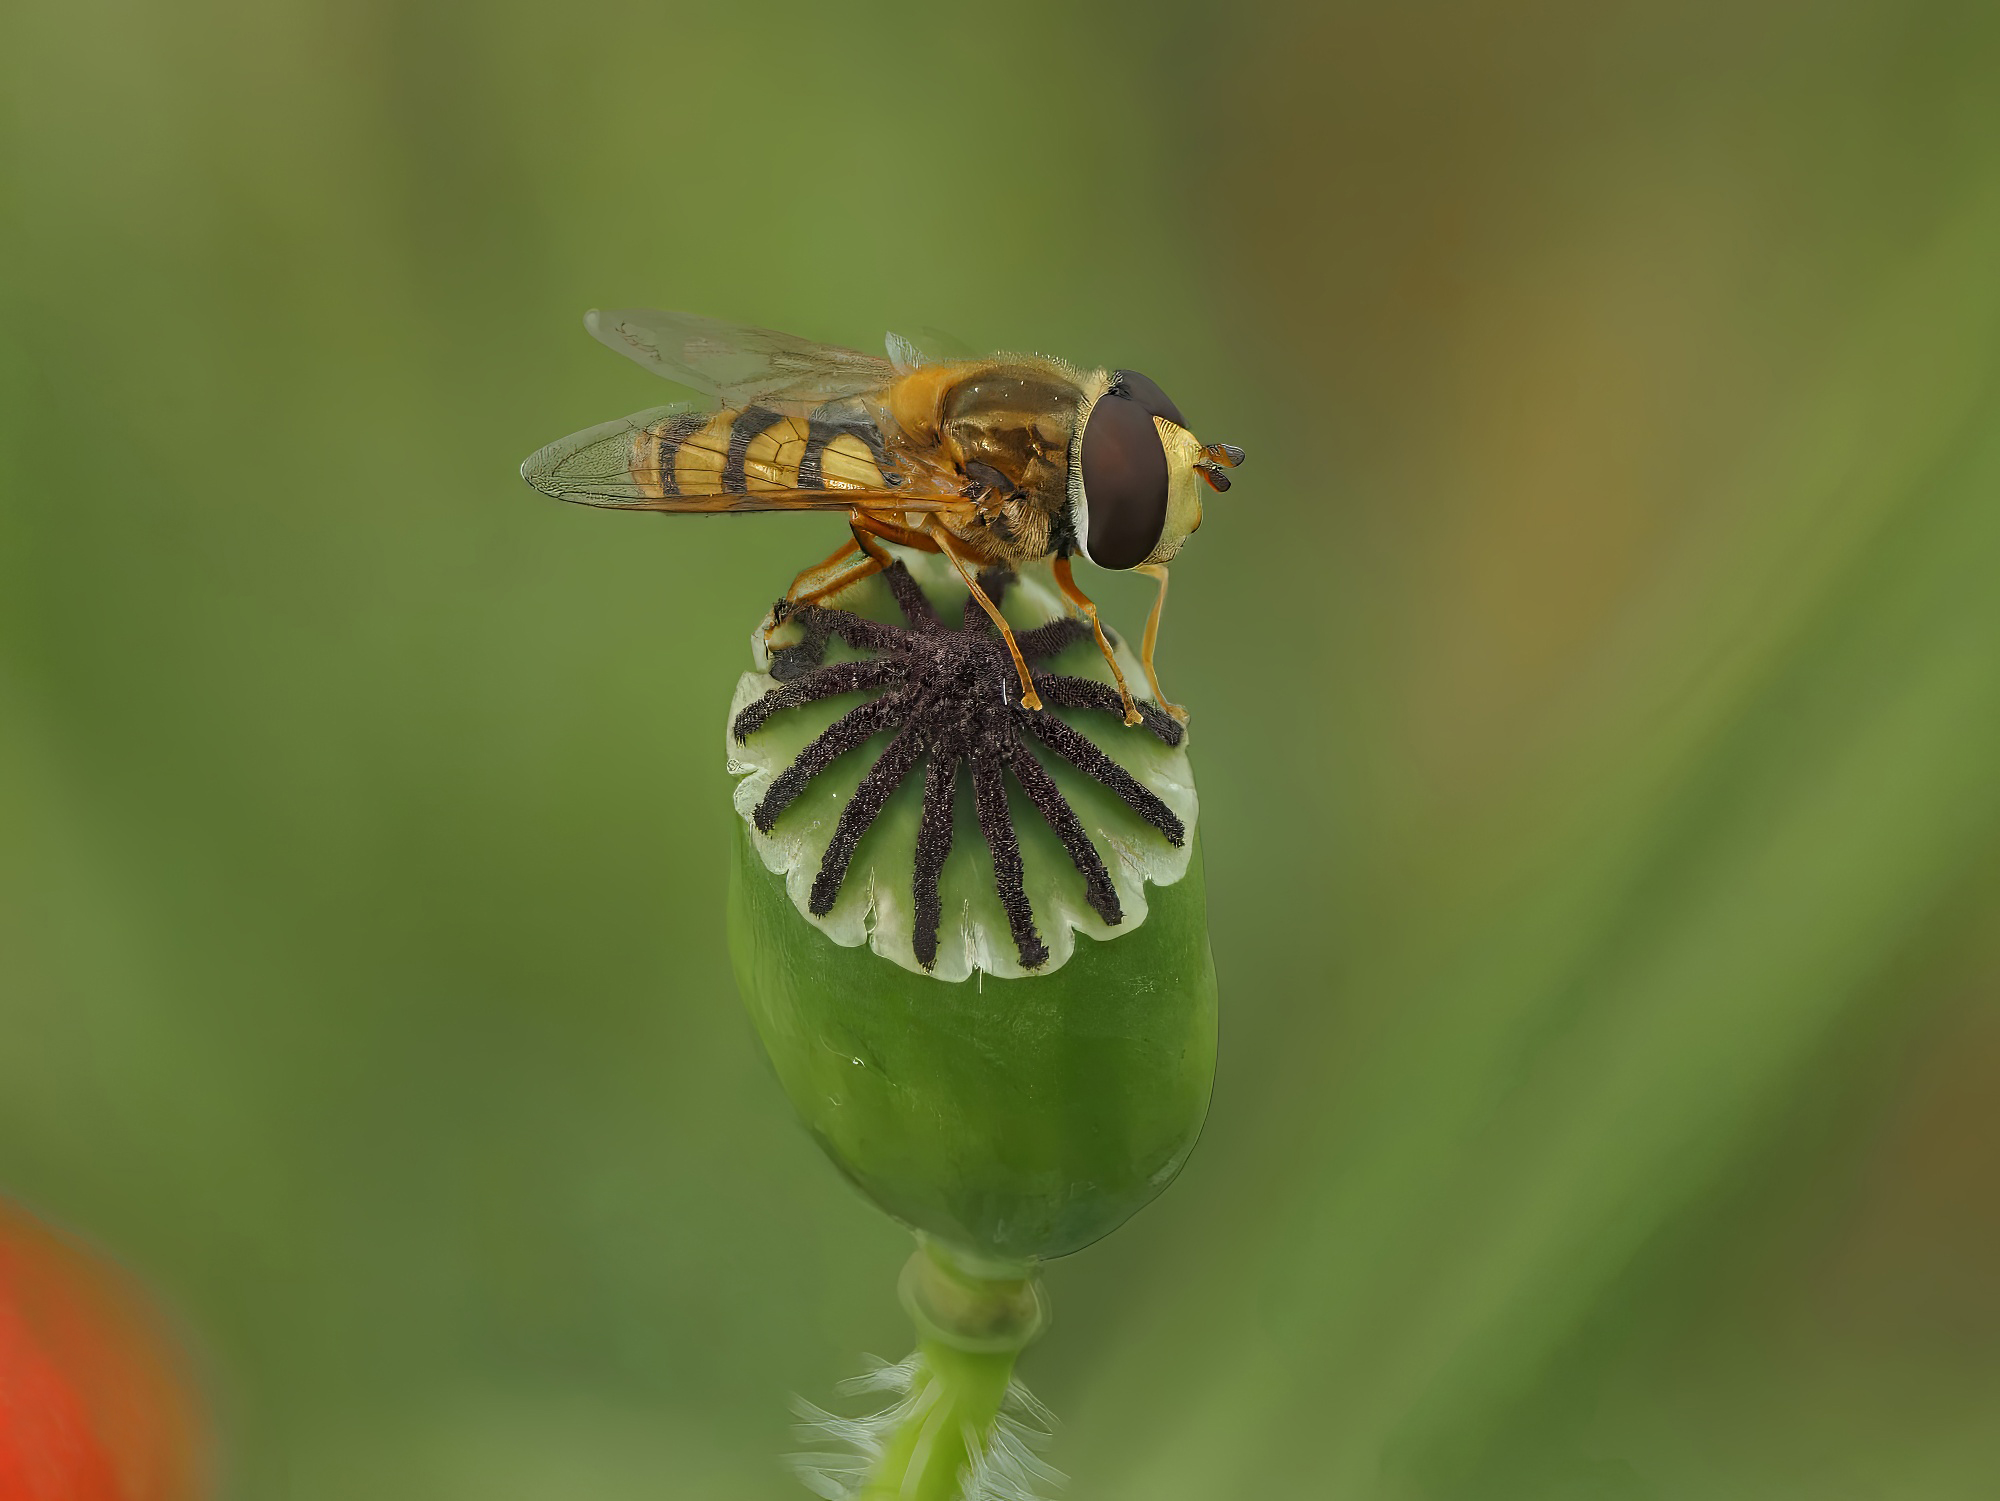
(1017, 1113)
(1015, 1119)
(973, 940)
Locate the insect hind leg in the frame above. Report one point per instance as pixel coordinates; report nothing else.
(860, 556)
(810, 583)
(846, 565)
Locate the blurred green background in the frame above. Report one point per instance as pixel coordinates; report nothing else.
(1596, 674)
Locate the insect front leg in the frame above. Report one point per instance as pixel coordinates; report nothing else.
(1088, 610)
(1152, 638)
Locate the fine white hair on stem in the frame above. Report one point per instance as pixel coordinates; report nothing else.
(858, 1441)
(1008, 1466)
(1006, 1462)
(883, 1376)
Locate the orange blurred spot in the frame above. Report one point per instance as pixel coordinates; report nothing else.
(95, 1402)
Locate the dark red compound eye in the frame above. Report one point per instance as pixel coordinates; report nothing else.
(1146, 391)
(1124, 480)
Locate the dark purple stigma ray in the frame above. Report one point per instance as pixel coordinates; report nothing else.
(989, 798)
(1082, 753)
(826, 682)
(1053, 639)
(819, 625)
(934, 835)
(1088, 693)
(1059, 816)
(850, 730)
(953, 698)
(911, 599)
(862, 809)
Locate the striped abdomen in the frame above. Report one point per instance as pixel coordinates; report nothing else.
(742, 451)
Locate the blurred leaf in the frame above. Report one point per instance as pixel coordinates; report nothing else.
(1593, 670)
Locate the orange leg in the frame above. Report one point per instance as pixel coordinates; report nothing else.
(841, 568)
(1088, 610)
(866, 526)
(1029, 698)
(866, 566)
(1152, 638)
(868, 529)
(847, 564)
(833, 562)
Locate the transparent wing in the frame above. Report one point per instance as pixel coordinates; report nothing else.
(736, 364)
(927, 346)
(686, 458)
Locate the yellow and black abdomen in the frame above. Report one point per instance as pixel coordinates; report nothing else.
(741, 451)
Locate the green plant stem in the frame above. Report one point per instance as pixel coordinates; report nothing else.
(955, 1403)
(973, 1319)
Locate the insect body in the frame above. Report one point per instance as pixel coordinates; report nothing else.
(1004, 460)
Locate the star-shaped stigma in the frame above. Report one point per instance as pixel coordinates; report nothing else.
(953, 699)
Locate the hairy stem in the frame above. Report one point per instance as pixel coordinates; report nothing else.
(972, 1321)
(954, 1406)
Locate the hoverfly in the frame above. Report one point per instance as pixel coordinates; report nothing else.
(1003, 460)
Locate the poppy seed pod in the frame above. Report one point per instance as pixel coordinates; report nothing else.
(972, 938)
(1014, 1120)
